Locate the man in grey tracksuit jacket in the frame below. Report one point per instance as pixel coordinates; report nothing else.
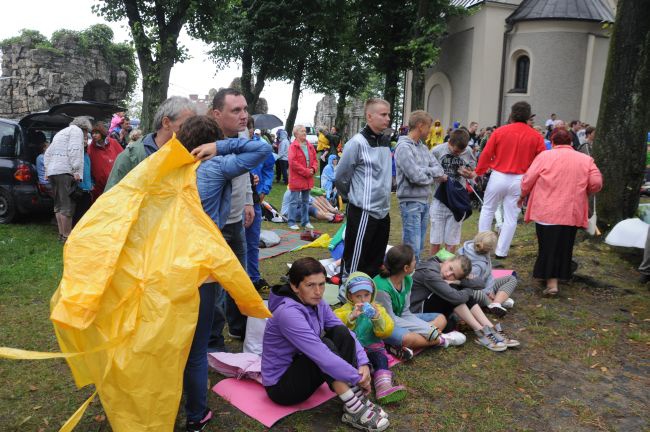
(364, 176)
(416, 170)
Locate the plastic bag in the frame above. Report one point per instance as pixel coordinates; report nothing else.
(126, 308)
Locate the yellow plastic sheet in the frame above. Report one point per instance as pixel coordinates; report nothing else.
(321, 242)
(126, 308)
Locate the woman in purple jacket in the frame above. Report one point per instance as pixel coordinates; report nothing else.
(305, 344)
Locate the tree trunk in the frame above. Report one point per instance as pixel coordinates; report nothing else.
(154, 90)
(417, 89)
(417, 82)
(247, 74)
(390, 88)
(260, 78)
(624, 120)
(295, 95)
(341, 121)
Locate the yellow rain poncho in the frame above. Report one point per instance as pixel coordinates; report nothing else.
(436, 135)
(129, 300)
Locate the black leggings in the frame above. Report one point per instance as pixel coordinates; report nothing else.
(437, 304)
(303, 377)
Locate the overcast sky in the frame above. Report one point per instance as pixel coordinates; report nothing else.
(196, 75)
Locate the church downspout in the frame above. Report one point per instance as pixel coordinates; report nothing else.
(509, 28)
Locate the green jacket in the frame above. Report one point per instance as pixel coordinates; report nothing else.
(125, 162)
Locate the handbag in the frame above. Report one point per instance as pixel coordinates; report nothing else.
(76, 193)
(592, 227)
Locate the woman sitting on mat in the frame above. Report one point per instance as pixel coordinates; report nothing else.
(305, 344)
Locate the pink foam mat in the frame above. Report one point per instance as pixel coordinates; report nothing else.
(251, 398)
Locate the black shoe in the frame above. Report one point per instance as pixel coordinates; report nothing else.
(261, 284)
(200, 425)
(497, 310)
(644, 278)
(574, 266)
(235, 336)
(500, 257)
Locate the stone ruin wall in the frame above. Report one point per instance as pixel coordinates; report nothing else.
(34, 79)
(325, 115)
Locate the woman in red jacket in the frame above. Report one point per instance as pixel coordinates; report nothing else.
(303, 164)
(102, 152)
(558, 184)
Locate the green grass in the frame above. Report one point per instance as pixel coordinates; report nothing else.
(550, 383)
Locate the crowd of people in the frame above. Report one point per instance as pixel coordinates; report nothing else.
(396, 301)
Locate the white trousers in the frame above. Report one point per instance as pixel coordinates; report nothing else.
(506, 188)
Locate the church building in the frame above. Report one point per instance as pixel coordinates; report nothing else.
(550, 53)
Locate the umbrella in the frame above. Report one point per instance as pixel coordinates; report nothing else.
(266, 121)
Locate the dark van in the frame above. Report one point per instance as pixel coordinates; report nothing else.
(20, 192)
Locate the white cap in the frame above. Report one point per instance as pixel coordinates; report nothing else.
(257, 131)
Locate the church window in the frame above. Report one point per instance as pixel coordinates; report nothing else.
(521, 74)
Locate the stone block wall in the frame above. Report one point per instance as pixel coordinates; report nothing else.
(34, 79)
(325, 115)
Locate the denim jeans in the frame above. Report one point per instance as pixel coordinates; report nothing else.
(299, 207)
(195, 376)
(235, 237)
(253, 245)
(415, 216)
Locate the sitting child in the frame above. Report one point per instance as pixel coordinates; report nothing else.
(412, 330)
(443, 288)
(497, 292)
(370, 322)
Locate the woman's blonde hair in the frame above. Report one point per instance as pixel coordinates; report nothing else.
(485, 242)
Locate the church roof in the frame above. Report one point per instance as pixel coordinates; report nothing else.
(580, 10)
(465, 3)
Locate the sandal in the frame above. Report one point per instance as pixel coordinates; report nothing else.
(365, 419)
(550, 292)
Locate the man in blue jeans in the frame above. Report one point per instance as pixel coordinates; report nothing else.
(230, 111)
(234, 157)
(417, 170)
(262, 182)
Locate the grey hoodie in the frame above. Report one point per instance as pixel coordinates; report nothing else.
(416, 170)
(427, 280)
(364, 176)
(481, 266)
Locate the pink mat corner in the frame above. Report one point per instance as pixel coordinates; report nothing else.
(251, 398)
(497, 273)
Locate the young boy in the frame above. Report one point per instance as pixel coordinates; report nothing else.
(370, 323)
(458, 163)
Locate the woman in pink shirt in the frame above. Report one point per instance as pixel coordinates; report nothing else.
(558, 185)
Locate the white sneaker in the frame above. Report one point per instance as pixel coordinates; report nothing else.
(309, 225)
(508, 304)
(294, 227)
(332, 269)
(454, 338)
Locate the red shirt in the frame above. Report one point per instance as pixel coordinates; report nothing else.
(511, 149)
(101, 163)
(559, 183)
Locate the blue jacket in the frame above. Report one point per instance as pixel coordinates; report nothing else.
(235, 156)
(328, 175)
(283, 147)
(87, 182)
(265, 172)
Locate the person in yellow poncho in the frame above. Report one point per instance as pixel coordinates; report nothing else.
(436, 135)
(128, 313)
(322, 148)
(370, 323)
